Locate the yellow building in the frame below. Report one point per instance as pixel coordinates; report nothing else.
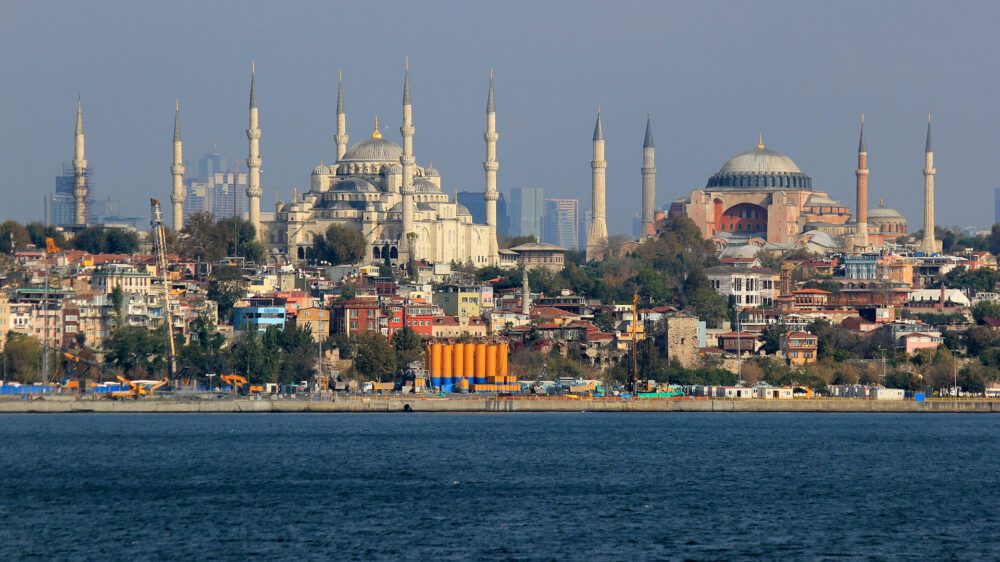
(317, 319)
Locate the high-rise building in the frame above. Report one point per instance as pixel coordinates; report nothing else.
(996, 205)
(560, 224)
(474, 202)
(526, 210)
(60, 206)
(217, 190)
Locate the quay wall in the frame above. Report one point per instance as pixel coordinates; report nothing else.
(420, 404)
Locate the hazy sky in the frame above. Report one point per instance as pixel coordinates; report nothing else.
(712, 75)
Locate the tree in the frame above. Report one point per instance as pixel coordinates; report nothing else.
(210, 240)
(102, 240)
(772, 338)
(38, 232)
(709, 305)
(22, 354)
(340, 245)
(203, 351)
(226, 286)
(375, 358)
(408, 347)
(507, 242)
(131, 348)
(985, 309)
(13, 236)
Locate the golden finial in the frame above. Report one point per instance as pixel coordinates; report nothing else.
(760, 141)
(928, 117)
(862, 117)
(295, 194)
(376, 134)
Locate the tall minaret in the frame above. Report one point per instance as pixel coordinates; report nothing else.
(253, 159)
(648, 181)
(928, 244)
(406, 161)
(862, 187)
(177, 170)
(490, 166)
(597, 238)
(341, 136)
(80, 188)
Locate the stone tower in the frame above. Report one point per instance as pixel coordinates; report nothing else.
(407, 161)
(929, 244)
(648, 182)
(177, 170)
(597, 238)
(253, 159)
(341, 136)
(862, 188)
(490, 167)
(80, 188)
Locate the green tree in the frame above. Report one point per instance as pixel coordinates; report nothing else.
(226, 285)
(771, 336)
(709, 305)
(985, 309)
(38, 232)
(103, 240)
(22, 354)
(408, 347)
(203, 351)
(13, 236)
(204, 238)
(375, 358)
(340, 245)
(131, 348)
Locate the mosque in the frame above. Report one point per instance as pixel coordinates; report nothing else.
(376, 188)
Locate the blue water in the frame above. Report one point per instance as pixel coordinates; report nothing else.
(550, 486)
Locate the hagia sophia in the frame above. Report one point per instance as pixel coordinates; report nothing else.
(759, 199)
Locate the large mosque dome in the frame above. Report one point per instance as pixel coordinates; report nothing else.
(760, 168)
(375, 149)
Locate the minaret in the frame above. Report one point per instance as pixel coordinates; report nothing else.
(862, 187)
(490, 166)
(648, 182)
(525, 292)
(80, 188)
(253, 159)
(341, 136)
(406, 161)
(598, 236)
(929, 245)
(177, 169)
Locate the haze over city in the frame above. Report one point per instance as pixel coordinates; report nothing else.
(712, 75)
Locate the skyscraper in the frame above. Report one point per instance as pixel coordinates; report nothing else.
(60, 206)
(476, 204)
(560, 224)
(996, 205)
(526, 210)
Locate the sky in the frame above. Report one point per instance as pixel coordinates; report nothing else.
(713, 75)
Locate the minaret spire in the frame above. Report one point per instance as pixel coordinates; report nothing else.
(862, 188)
(929, 244)
(341, 137)
(177, 171)
(598, 235)
(490, 166)
(80, 187)
(253, 157)
(648, 181)
(406, 160)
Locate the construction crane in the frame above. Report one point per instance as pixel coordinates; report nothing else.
(160, 242)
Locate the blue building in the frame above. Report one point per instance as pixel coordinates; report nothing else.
(863, 266)
(259, 314)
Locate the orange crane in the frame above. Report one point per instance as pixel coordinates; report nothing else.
(160, 240)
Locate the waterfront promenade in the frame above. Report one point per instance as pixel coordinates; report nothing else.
(68, 404)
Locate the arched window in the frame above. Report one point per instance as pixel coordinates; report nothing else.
(376, 253)
(301, 253)
(393, 253)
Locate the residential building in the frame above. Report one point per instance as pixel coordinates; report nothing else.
(800, 348)
(460, 300)
(540, 255)
(317, 320)
(751, 287)
(355, 317)
(259, 313)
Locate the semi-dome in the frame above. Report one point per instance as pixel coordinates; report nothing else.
(356, 185)
(373, 150)
(760, 168)
(421, 185)
(461, 210)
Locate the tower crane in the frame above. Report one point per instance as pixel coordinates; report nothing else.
(160, 243)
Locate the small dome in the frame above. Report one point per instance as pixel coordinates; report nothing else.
(431, 172)
(884, 213)
(373, 150)
(356, 185)
(394, 169)
(321, 170)
(461, 210)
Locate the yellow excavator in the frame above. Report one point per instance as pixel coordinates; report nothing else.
(138, 388)
(241, 385)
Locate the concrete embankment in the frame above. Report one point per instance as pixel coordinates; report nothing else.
(421, 404)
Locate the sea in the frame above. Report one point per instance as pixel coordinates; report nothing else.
(558, 486)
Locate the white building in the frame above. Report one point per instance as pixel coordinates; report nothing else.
(752, 287)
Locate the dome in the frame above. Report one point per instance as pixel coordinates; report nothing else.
(760, 168)
(461, 210)
(321, 170)
(884, 213)
(357, 185)
(421, 185)
(431, 172)
(373, 150)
